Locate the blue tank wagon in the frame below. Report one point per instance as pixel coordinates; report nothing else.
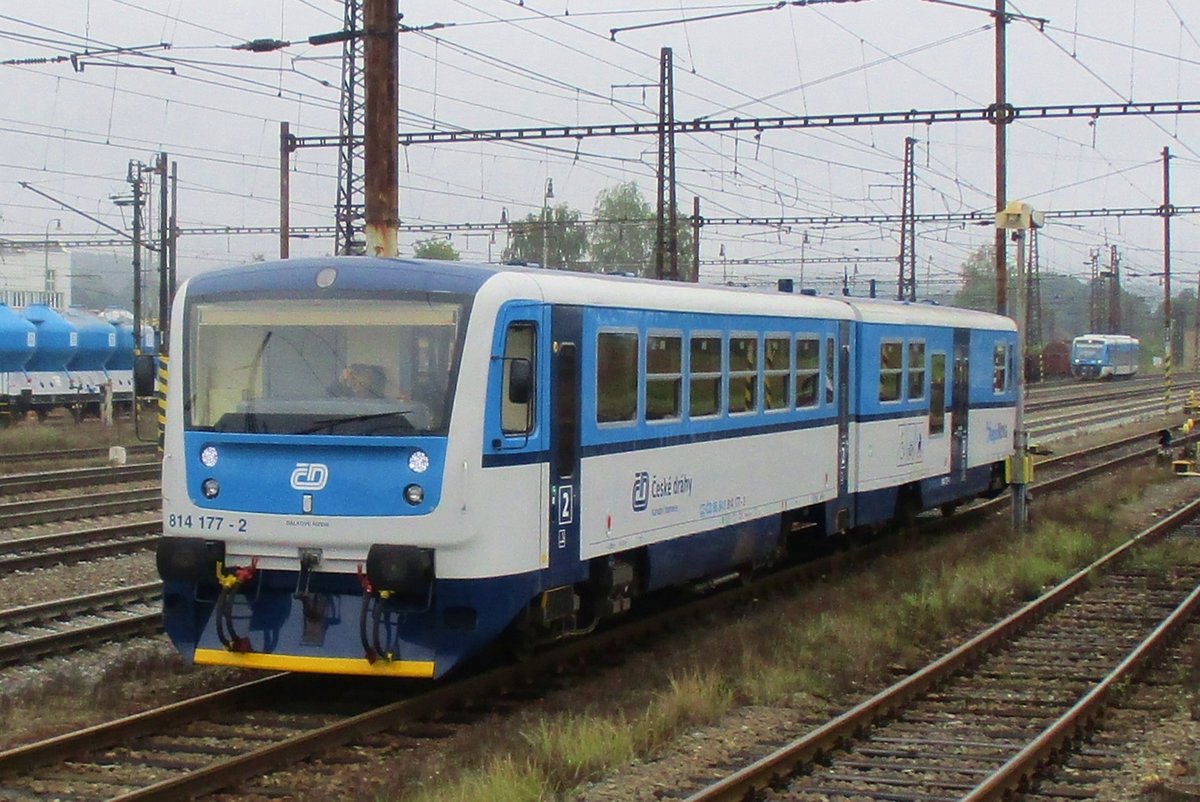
(57, 342)
(97, 344)
(547, 447)
(18, 341)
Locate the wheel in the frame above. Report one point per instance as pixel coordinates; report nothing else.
(948, 508)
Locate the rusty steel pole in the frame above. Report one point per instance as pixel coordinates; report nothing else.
(285, 189)
(1000, 121)
(382, 131)
(1166, 216)
(696, 223)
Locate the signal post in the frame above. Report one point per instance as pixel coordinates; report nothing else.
(1017, 218)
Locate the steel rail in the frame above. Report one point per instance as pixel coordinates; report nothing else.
(29, 648)
(778, 765)
(71, 478)
(1074, 400)
(112, 733)
(1024, 765)
(103, 600)
(31, 552)
(92, 505)
(73, 454)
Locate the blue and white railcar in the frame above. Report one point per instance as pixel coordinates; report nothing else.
(1104, 356)
(935, 407)
(383, 466)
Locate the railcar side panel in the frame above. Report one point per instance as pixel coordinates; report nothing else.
(651, 495)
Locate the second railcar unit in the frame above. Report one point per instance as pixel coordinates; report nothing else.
(534, 449)
(1104, 356)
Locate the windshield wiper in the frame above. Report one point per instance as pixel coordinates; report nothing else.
(330, 423)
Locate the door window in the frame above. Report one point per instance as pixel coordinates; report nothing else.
(516, 417)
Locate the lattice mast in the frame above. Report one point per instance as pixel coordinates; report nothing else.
(349, 212)
(666, 242)
(906, 287)
(1033, 301)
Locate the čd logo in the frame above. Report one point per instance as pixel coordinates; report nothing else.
(641, 491)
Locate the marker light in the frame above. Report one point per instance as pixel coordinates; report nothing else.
(210, 488)
(418, 461)
(209, 456)
(414, 494)
(326, 276)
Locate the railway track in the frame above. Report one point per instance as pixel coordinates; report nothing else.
(13, 459)
(54, 627)
(75, 478)
(223, 739)
(16, 514)
(60, 548)
(982, 721)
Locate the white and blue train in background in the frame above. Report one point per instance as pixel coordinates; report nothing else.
(523, 452)
(1104, 356)
(51, 360)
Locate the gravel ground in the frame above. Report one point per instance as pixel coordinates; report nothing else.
(62, 694)
(64, 581)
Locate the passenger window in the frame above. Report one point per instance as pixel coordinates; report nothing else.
(1000, 368)
(743, 374)
(937, 393)
(916, 371)
(777, 366)
(616, 377)
(664, 377)
(808, 371)
(830, 374)
(704, 376)
(516, 418)
(890, 369)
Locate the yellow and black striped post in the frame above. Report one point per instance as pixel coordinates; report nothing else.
(1167, 374)
(160, 395)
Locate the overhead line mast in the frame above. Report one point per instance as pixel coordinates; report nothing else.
(352, 118)
(906, 288)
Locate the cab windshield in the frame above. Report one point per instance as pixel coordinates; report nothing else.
(1089, 349)
(329, 366)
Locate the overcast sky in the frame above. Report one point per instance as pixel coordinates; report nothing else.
(504, 63)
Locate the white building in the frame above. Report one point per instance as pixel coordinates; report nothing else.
(35, 273)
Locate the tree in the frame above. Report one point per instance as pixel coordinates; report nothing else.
(978, 289)
(624, 242)
(565, 246)
(435, 248)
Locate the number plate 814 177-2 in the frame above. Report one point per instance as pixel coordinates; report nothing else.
(205, 523)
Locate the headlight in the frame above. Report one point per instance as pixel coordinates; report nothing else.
(210, 488)
(418, 461)
(209, 456)
(414, 494)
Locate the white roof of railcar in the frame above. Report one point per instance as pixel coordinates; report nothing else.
(1112, 339)
(561, 286)
(907, 313)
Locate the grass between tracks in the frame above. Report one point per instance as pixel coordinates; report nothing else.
(57, 433)
(834, 641)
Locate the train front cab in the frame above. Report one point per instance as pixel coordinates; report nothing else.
(312, 528)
